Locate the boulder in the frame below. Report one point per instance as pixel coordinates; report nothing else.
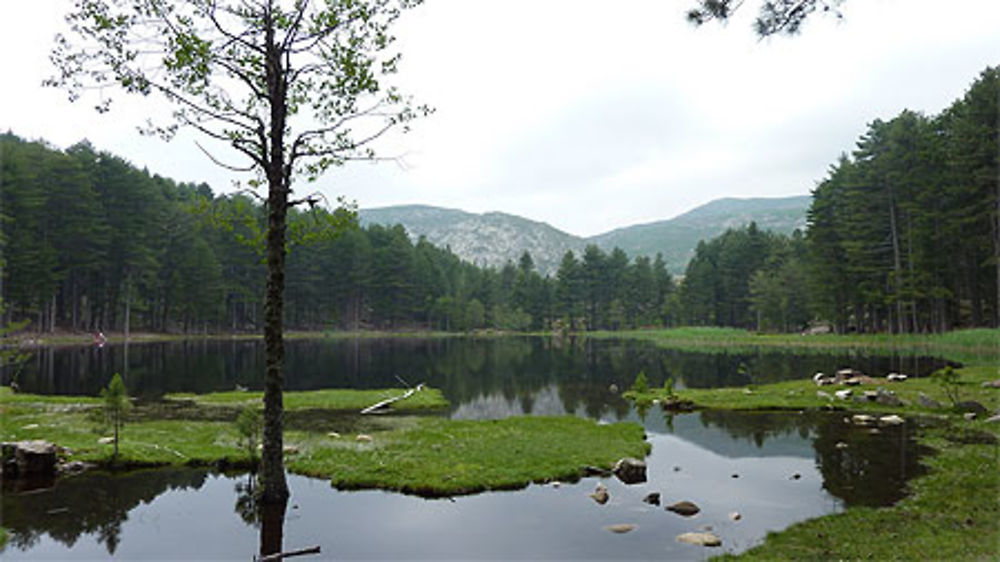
(844, 394)
(600, 494)
(896, 377)
(685, 508)
(621, 527)
(969, 416)
(870, 395)
(630, 471)
(700, 539)
(971, 406)
(28, 458)
(891, 419)
(887, 398)
(652, 498)
(928, 402)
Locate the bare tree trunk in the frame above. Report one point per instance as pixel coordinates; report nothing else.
(274, 488)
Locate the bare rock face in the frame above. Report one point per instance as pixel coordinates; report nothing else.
(28, 458)
(630, 471)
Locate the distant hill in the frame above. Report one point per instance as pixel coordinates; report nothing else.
(491, 239)
(677, 238)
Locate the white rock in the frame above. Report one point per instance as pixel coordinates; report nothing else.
(862, 419)
(844, 394)
(333, 435)
(700, 539)
(106, 440)
(363, 438)
(891, 419)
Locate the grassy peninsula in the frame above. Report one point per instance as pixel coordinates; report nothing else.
(327, 437)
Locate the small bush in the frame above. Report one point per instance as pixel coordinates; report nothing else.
(641, 384)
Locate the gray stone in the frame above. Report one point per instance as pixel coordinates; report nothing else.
(685, 508)
(621, 527)
(971, 406)
(24, 458)
(652, 498)
(700, 539)
(600, 494)
(887, 398)
(928, 402)
(630, 471)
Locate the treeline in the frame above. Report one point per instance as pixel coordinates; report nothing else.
(92, 243)
(903, 236)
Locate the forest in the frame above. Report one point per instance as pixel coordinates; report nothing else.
(902, 236)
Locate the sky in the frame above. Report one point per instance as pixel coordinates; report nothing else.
(587, 115)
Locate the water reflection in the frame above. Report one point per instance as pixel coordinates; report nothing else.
(482, 377)
(193, 513)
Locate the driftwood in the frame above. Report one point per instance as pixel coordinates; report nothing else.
(379, 406)
(278, 557)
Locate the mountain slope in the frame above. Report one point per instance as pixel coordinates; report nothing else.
(492, 239)
(677, 238)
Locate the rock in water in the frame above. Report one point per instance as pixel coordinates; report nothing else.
(630, 471)
(700, 539)
(600, 494)
(891, 419)
(621, 527)
(652, 498)
(735, 516)
(685, 508)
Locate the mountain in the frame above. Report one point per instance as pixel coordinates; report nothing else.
(488, 239)
(677, 238)
(492, 239)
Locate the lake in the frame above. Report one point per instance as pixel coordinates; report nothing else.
(774, 469)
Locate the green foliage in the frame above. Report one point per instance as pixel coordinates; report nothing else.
(115, 405)
(641, 384)
(668, 388)
(249, 424)
(948, 380)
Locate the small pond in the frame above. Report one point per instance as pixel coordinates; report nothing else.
(722, 461)
(774, 469)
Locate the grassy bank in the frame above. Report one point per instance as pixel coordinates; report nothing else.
(950, 513)
(326, 437)
(958, 345)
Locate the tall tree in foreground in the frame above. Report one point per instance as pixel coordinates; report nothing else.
(293, 86)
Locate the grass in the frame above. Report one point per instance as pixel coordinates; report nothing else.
(438, 457)
(416, 454)
(331, 399)
(3, 538)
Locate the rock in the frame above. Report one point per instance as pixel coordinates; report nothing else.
(971, 406)
(735, 515)
(862, 419)
(23, 458)
(870, 395)
(891, 419)
(824, 394)
(853, 381)
(992, 384)
(735, 475)
(630, 471)
(363, 438)
(613, 388)
(844, 394)
(844, 374)
(595, 471)
(685, 508)
(969, 416)
(621, 527)
(928, 402)
(896, 377)
(31, 426)
(993, 419)
(700, 539)
(290, 450)
(74, 467)
(105, 440)
(600, 494)
(887, 398)
(841, 445)
(796, 476)
(556, 484)
(333, 435)
(822, 379)
(652, 498)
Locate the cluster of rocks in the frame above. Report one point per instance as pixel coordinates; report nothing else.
(853, 377)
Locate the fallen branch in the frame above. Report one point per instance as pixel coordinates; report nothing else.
(278, 557)
(376, 407)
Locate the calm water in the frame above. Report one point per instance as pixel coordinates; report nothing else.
(197, 514)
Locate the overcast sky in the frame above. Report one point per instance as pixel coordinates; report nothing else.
(588, 115)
